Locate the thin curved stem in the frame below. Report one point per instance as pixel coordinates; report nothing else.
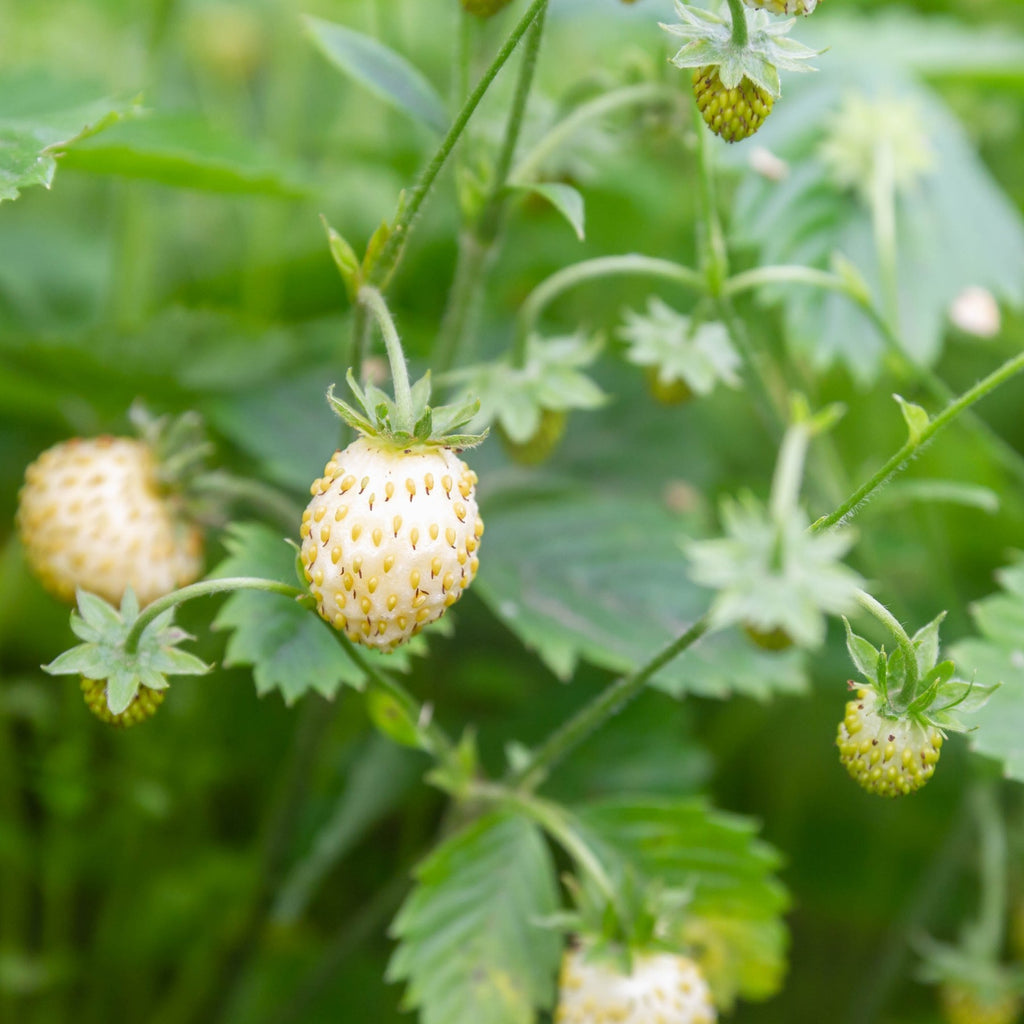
(626, 265)
(204, 588)
(991, 927)
(590, 717)
(902, 458)
(559, 825)
(895, 627)
(384, 267)
(739, 24)
(592, 110)
(373, 300)
(434, 739)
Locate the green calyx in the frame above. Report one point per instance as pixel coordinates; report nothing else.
(103, 656)
(928, 691)
(709, 41)
(376, 414)
(518, 399)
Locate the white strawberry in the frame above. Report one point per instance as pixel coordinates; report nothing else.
(662, 987)
(91, 515)
(390, 539)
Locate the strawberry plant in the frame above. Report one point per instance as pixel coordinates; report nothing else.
(711, 312)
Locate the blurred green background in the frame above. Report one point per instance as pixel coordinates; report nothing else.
(179, 258)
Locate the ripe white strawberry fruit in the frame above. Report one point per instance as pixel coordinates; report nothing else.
(663, 987)
(887, 756)
(91, 516)
(390, 539)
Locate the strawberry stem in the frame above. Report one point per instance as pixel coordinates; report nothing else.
(991, 925)
(628, 264)
(886, 617)
(599, 710)
(902, 458)
(373, 300)
(740, 37)
(204, 588)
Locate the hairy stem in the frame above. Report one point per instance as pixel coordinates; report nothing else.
(391, 254)
(626, 265)
(204, 588)
(477, 243)
(373, 300)
(739, 24)
(590, 717)
(902, 458)
(895, 627)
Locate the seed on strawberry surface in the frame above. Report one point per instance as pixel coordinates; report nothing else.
(888, 756)
(143, 706)
(734, 113)
(390, 539)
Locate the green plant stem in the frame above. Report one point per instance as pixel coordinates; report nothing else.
(895, 627)
(1004, 453)
(434, 740)
(384, 267)
(901, 459)
(990, 931)
(559, 825)
(592, 110)
(789, 471)
(590, 717)
(204, 588)
(274, 503)
(373, 300)
(478, 241)
(739, 24)
(883, 224)
(625, 265)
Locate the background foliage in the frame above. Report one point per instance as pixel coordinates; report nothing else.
(239, 858)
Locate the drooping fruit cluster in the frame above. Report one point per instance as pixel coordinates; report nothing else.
(390, 539)
(886, 755)
(736, 77)
(484, 8)
(733, 113)
(144, 704)
(91, 515)
(662, 987)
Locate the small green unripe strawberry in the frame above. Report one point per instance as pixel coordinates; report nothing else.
(663, 987)
(962, 1005)
(91, 515)
(484, 8)
(776, 639)
(390, 539)
(734, 114)
(787, 8)
(144, 705)
(538, 447)
(887, 756)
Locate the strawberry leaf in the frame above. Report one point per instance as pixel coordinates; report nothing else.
(289, 647)
(471, 950)
(728, 872)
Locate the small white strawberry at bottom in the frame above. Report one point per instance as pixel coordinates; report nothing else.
(663, 987)
(390, 538)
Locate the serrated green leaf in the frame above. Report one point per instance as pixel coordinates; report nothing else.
(567, 200)
(42, 120)
(685, 844)
(381, 70)
(997, 656)
(471, 949)
(565, 570)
